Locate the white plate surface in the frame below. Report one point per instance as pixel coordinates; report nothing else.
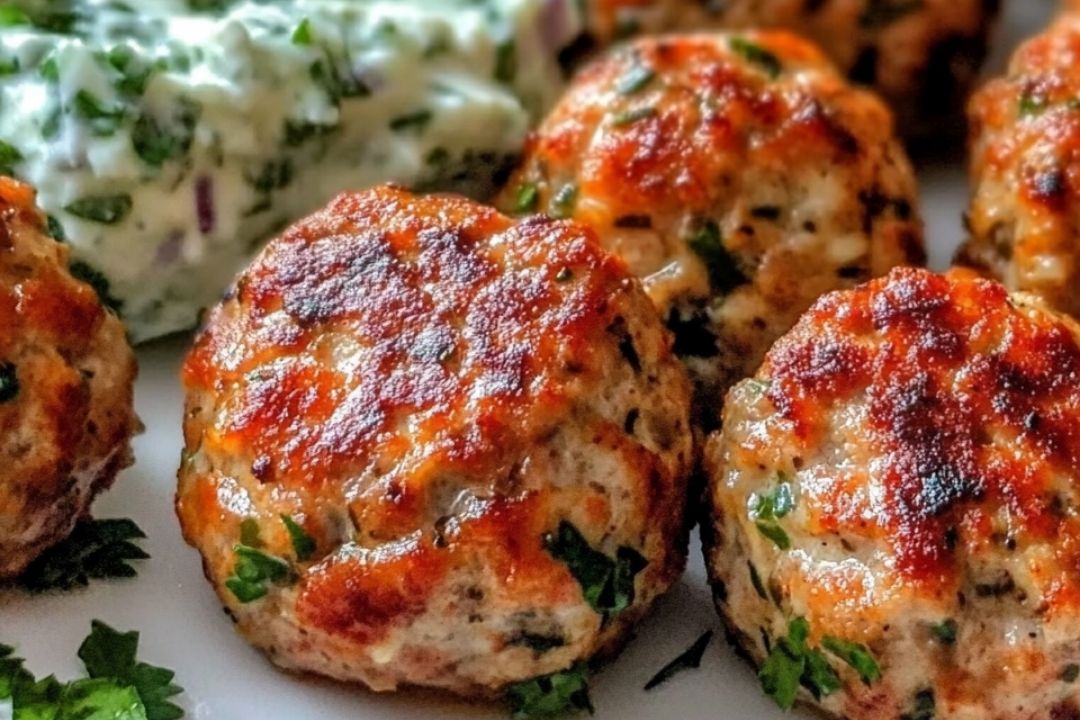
(183, 627)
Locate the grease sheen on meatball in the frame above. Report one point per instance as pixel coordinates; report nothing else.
(922, 56)
(1025, 137)
(902, 474)
(440, 398)
(739, 175)
(66, 384)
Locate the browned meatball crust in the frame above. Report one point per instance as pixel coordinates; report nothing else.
(920, 55)
(453, 407)
(894, 504)
(66, 384)
(738, 175)
(1024, 215)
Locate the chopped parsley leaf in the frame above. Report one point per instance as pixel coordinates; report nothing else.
(924, 706)
(9, 157)
(415, 121)
(9, 382)
(708, 244)
(95, 279)
(506, 61)
(562, 204)
(855, 655)
(629, 117)
(767, 509)
(527, 196)
(792, 663)
(103, 121)
(303, 544)
(10, 16)
(253, 570)
(635, 79)
(551, 696)
(95, 550)
(1032, 104)
(945, 631)
(9, 65)
(1070, 673)
(302, 34)
(758, 55)
(104, 209)
(606, 583)
(690, 659)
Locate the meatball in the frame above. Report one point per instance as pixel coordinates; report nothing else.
(922, 56)
(1025, 168)
(428, 446)
(738, 175)
(66, 385)
(894, 505)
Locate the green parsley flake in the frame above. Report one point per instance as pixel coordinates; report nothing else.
(607, 584)
(254, 569)
(690, 659)
(635, 79)
(855, 655)
(551, 696)
(9, 158)
(303, 544)
(415, 122)
(767, 509)
(792, 663)
(104, 209)
(945, 631)
(302, 34)
(708, 244)
(9, 382)
(527, 196)
(629, 117)
(506, 62)
(758, 55)
(562, 204)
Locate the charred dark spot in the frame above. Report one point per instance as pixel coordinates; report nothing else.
(261, 468)
(1065, 710)
(633, 221)
(1001, 585)
(766, 212)
(631, 421)
(693, 334)
(865, 69)
(1048, 188)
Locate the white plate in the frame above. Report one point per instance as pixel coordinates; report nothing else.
(183, 627)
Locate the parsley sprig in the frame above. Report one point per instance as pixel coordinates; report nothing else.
(119, 686)
(95, 550)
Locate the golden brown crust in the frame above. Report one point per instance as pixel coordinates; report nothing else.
(739, 175)
(417, 381)
(925, 427)
(922, 57)
(66, 429)
(1025, 133)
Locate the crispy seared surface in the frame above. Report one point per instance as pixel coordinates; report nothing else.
(922, 57)
(1025, 133)
(66, 376)
(927, 427)
(739, 175)
(430, 389)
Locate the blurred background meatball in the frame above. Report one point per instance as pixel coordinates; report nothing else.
(66, 377)
(894, 495)
(921, 55)
(738, 175)
(428, 446)
(1025, 169)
